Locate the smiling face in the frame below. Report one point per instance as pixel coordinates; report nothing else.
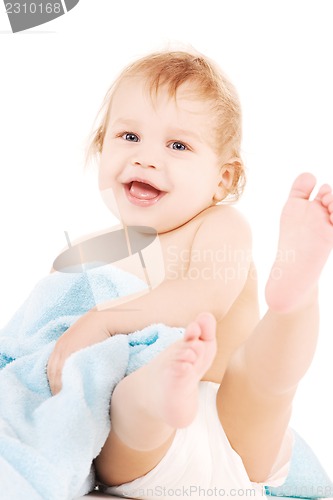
(158, 162)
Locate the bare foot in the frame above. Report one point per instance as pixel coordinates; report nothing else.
(161, 396)
(181, 367)
(169, 383)
(305, 242)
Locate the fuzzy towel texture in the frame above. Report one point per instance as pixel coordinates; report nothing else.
(47, 444)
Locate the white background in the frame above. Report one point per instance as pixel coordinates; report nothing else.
(54, 77)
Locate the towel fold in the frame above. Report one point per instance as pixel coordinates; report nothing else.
(47, 444)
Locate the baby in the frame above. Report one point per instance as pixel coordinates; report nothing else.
(212, 410)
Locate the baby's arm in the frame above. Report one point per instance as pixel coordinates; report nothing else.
(211, 283)
(217, 271)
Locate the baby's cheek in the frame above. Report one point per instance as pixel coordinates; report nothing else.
(110, 201)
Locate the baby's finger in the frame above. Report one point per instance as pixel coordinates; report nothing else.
(54, 375)
(55, 383)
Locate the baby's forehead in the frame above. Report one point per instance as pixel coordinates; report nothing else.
(136, 106)
(187, 95)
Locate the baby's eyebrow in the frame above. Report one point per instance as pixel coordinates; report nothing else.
(180, 132)
(124, 122)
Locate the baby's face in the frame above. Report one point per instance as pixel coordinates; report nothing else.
(158, 167)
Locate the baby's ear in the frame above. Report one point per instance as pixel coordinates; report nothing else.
(227, 179)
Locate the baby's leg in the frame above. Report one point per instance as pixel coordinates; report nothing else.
(260, 383)
(151, 403)
(287, 334)
(305, 242)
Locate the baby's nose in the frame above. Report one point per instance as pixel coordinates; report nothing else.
(148, 159)
(144, 164)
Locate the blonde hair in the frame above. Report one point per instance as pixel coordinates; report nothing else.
(171, 69)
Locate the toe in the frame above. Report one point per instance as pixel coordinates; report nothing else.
(327, 199)
(324, 191)
(192, 332)
(187, 355)
(207, 324)
(330, 207)
(303, 186)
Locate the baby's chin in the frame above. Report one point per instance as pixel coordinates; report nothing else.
(150, 225)
(137, 217)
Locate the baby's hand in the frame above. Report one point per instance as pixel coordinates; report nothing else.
(87, 330)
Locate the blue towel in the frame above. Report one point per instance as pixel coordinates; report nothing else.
(47, 444)
(306, 478)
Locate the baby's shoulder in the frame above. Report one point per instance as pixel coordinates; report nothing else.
(224, 211)
(225, 219)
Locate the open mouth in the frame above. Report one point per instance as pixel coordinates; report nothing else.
(142, 193)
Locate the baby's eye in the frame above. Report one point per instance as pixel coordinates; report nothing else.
(178, 146)
(129, 136)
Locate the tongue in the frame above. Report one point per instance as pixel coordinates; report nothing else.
(143, 191)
